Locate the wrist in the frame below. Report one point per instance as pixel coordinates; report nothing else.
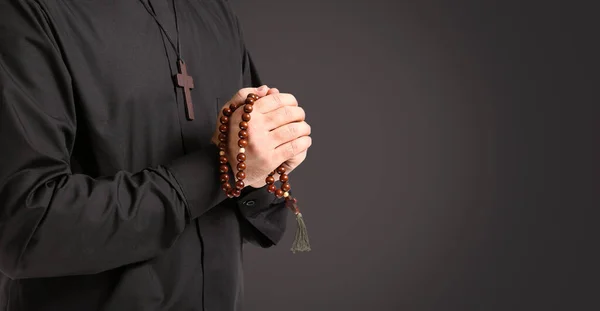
(257, 185)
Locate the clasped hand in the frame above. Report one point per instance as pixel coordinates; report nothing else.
(277, 133)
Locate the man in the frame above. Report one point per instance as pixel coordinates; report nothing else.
(109, 185)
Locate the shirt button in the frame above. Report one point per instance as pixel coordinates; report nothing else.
(250, 203)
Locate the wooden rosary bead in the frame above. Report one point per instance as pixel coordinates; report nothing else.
(224, 178)
(222, 146)
(240, 175)
(279, 193)
(283, 178)
(227, 112)
(248, 108)
(286, 186)
(223, 128)
(243, 134)
(222, 160)
(241, 166)
(223, 169)
(270, 180)
(241, 157)
(222, 137)
(242, 143)
(239, 184)
(246, 117)
(280, 170)
(272, 188)
(224, 120)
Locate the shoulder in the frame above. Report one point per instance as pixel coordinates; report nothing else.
(21, 7)
(21, 19)
(24, 15)
(223, 11)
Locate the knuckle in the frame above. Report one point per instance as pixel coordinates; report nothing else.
(278, 117)
(287, 99)
(286, 111)
(295, 147)
(306, 129)
(292, 130)
(295, 113)
(292, 100)
(290, 151)
(308, 141)
(278, 100)
(301, 113)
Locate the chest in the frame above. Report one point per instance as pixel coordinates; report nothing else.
(123, 64)
(124, 67)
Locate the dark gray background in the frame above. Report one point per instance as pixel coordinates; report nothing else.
(451, 167)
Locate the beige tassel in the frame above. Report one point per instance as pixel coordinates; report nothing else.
(301, 241)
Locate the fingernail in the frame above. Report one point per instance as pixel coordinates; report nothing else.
(262, 88)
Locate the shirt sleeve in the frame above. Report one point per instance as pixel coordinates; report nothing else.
(54, 222)
(264, 216)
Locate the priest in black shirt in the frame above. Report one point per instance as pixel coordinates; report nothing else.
(109, 184)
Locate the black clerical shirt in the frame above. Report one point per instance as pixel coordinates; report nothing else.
(109, 195)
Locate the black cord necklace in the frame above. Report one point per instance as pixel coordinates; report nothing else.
(181, 79)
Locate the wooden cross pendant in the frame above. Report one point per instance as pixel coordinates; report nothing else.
(187, 83)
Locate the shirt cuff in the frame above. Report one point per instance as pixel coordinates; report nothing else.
(265, 212)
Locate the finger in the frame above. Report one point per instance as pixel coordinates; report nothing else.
(294, 162)
(289, 132)
(290, 149)
(242, 94)
(274, 101)
(283, 116)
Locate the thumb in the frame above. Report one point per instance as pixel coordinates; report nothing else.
(241, 95)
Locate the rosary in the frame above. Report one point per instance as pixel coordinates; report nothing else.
(185, 81)
(301, 242)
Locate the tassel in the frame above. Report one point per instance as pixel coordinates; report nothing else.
(301, 241)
